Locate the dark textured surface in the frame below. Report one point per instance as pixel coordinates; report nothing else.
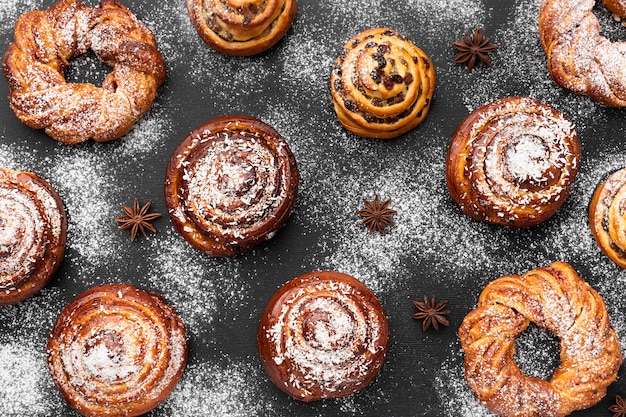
(433, 249)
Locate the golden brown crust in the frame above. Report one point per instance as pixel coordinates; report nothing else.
(241, 28)
(579, 58)
(35, 62)
(382, 84)
(512, 162)
(323, 335)
(617, 7)
(32, 234)
(116, 350)
(606, 217)
(554, 298)
(231, 184)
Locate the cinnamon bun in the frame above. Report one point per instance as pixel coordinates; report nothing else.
(512, 162)
(241, 27)
(579, 58)
(231, 184)
(116, 350)
(323, 335)
(558, 300)
(32, 234)
(606, 217)
(382, 84)
(45, 41)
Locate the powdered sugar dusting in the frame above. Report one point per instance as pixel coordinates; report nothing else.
(432, 246)
(227, 388)
(87, 185)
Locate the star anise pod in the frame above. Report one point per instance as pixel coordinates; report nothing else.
(619, 408)
(432, 313)
(137, 219)
(377, 215)
(474, 47)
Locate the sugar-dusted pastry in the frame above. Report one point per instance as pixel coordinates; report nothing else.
(32, 234)
(558, 300)
(606, 217)
(323, 335)
(46, 40)
(230, 185)
(512, 162)
(116, 350)
(579, 58)
(242, 28)
(382, 84)
(617, 7)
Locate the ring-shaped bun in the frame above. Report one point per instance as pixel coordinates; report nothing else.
(45, 41)
(579, 58)
(558, 300)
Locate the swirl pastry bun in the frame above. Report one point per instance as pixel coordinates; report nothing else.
(323, 335)
(381, 84)
(579, 58)
(558, 300)
(241, 27)
(116, 350)
(606, 217)
(32, 234)
(231, 184)
(512, 162)
(45, 41)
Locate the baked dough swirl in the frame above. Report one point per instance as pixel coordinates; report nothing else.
(116, 350)
(512, 162)
(381, 84)
(32, 234)
(323, 335)
(607, 217)
(554, 298)
(231, 184)
(241, 27)
(35, 62)
(579, 58)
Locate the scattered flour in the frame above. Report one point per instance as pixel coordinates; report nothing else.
(225, 389)
(431, 233)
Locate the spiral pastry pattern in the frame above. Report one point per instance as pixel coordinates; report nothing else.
(35, 62)
(381, 84)
(607, 217)
(323, 335)
(512, 162)
(558, 300)
(231, 184)
(241, 27)
(32, 234)
(116, 350)
(579, 58)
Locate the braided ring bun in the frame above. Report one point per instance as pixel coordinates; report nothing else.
(45, 41)
(558, 300)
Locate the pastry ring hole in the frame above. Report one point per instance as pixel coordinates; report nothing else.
(537, 352)
(611, 27)
(86, 69)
